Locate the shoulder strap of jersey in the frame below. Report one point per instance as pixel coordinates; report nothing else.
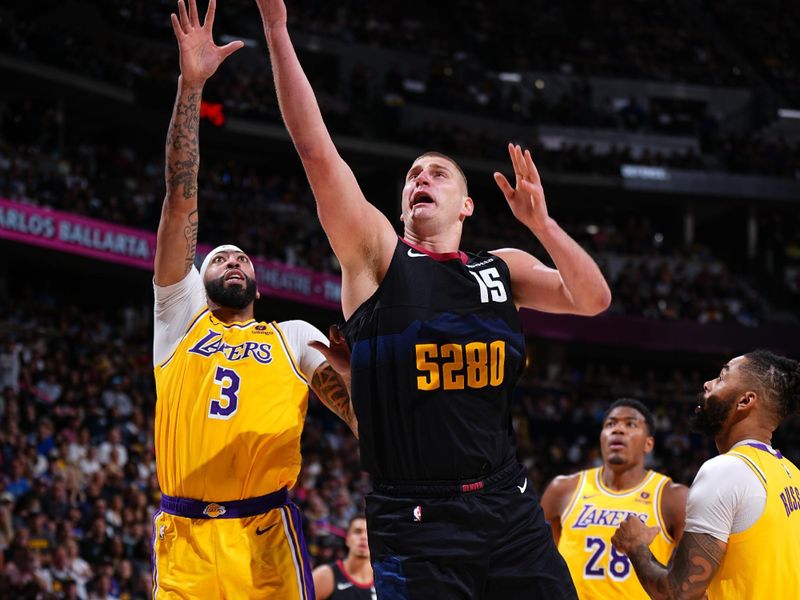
(575, 495)
(289, 354)
(191, 325)
(661, 484)
(752, 464)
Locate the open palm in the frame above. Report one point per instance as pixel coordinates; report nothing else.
(526, 199)
(200, 56)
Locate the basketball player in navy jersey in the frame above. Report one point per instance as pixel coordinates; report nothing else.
(351, 578)
(437, 347)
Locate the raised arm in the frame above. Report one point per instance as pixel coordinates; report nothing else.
(576, 285)
(362, 238)
(199, 60)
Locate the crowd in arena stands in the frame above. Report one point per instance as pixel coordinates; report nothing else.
(766, 33)
(620, 38)
(272, 215)
(78, 485)
(460, 77)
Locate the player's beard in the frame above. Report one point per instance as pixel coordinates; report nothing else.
(712, 414)
(233, 296)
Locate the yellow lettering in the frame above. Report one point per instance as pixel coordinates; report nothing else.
(430, 381)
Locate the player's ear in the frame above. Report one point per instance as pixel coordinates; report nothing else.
(649, 444)
(747, 400)
(468, 208)
(258, 295)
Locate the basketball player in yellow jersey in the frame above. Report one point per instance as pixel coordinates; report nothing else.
(585, 509)
(742, 535)
(231, 392)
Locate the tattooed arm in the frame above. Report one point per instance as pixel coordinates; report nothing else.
(333, 390)
(199, 60)
(694, 563)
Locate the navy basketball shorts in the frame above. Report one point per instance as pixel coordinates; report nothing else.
(479, 540)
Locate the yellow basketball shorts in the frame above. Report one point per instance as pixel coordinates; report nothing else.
(218, 558)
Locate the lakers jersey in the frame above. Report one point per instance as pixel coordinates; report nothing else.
(590, 520)
(763, 561)
(231, 401)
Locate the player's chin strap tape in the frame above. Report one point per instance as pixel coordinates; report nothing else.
(232, 509)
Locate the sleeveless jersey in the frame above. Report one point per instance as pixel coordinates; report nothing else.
(345, 588)
(230, 407)
(436, 352)
(589, 522)
(763, 561)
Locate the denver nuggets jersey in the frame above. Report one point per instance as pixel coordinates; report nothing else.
(763, 561)
(436, 352)
(230, 407)
(589, 522)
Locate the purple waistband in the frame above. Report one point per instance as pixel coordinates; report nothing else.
(232, 509)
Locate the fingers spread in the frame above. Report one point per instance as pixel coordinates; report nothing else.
(504, 186)
(230, 48)
(176, 26)
(208, 23)
(195, 18)
(533, 172)
(185, 24)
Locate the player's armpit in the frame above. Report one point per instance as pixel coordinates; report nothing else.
(330, 388)
(693, 565)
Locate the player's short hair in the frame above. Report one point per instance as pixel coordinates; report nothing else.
(355, 518)
(638, 406)
(779, 378)
(450, 160)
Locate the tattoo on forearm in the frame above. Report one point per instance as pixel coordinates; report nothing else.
(183, 146)
(331, 390)
(694, 563)
(190, 232)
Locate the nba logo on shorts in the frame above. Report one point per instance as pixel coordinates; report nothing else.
(418, 514)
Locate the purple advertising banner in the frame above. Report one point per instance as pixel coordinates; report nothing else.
(66, 232)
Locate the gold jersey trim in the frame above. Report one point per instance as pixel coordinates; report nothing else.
(289, 354)
(753, 466)
(574, 500)
(193, 322)
(621, 494)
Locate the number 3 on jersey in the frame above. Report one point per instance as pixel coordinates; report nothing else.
(229, 382)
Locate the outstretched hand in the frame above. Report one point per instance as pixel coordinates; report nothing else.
(526, 199)
(273, 12)
(337, 354)
(200, 56)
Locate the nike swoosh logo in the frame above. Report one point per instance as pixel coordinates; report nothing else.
(343, 586)
(523, 487)
(413, 254)
(265, 530)
(589, 496)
